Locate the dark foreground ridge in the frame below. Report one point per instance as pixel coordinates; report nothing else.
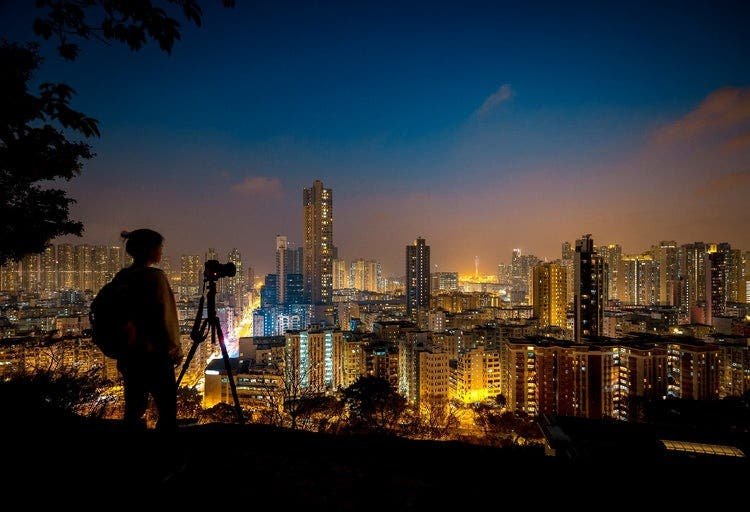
(69, 460)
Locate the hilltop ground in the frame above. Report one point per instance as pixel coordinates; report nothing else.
(68, 461)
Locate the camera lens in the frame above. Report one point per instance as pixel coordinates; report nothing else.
(213, 270)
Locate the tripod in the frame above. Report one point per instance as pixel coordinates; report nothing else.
(199, 333)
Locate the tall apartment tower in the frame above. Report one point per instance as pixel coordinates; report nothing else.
(235, 288)
(568, 254)
(289, 269)
(612, 256)
(48, 281)
(719, 282)
(66, 270)
(693, 274)
(639, 280)
(417, 279)
(590, 289)
(317, 203)
(550, 295)
(281, 265)
(667, 256)
(191, 275)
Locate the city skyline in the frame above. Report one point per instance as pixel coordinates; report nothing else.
(479, 127)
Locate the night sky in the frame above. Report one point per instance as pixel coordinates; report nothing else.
(480, 126)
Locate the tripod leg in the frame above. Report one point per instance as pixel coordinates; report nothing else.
(196, 341)
(216, 327)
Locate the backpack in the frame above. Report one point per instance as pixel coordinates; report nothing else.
(110, 317)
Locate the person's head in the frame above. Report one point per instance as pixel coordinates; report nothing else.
(144, 245)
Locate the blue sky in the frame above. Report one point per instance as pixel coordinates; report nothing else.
(482, 126)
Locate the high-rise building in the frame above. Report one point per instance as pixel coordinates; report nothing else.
(590, 289)
(281, 266)
(444, 281)
(639, 280)
(666, 254)
(191, 275)
(294, 292)
(417, 279)
(313, 360)
(745, 280)
(365, 275)
(317, 203)
(718, 280)
(235, 285)
(612, 256)
(735, 276)
(31, 265)
(269, 292)
(48, 281)
(340, 274)
(694, 370)
(100, 267)
(549, 292)
(567, 257)
(504, 273)
(521, 269)
(83, 256)
(693, 275)
(66, 270)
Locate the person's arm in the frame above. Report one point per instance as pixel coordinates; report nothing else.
(171, 323)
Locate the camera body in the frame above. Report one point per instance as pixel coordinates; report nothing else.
(214, 270)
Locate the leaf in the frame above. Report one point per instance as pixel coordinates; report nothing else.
(42, 28)
(68, 51)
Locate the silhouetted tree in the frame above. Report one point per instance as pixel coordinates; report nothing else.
(501, 401)
(37, 129)
(34, 149)
(219, 413)
(320, 413)
(189, 403)
(373, 404)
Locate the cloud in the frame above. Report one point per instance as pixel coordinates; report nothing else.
(723, 110)
(737, 144)
(258, 186)
(497, 98)
(720, 184)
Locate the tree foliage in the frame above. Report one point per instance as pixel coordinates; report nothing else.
(39, 130)
(374, 405)
(133, 22)
(33, 150)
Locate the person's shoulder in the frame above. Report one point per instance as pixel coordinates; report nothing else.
(157, 275)
(142, 273)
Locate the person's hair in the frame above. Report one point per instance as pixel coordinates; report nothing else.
(141, 243)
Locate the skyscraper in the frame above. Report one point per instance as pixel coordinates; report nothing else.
(718, 280)
(235, 288)
(590, 289)
(281, 266)
(666, 254)
(550, 295)
(191, 275)
(639, 280)
(417, 279)
(49, 269)
(693, 274)
(66, 269)
(612, 256)
(317, 254)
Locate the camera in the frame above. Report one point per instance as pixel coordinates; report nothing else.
(214, 270)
